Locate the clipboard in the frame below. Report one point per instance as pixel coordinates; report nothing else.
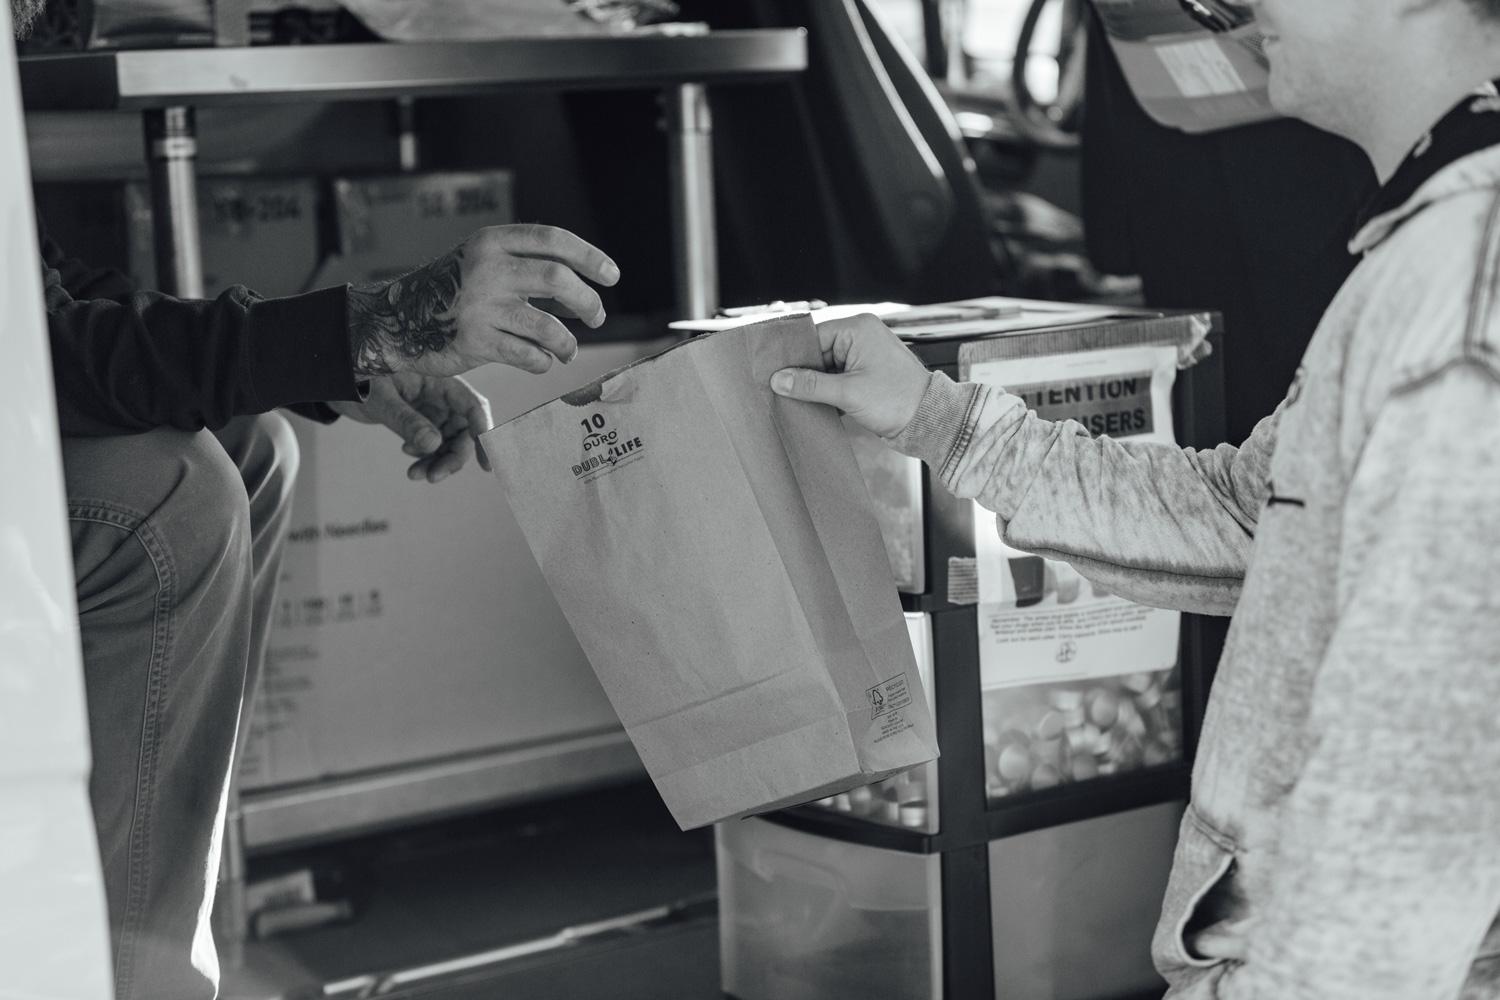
(987, 315)
(1194, 65)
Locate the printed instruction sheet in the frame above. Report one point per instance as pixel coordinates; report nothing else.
(1039, 621)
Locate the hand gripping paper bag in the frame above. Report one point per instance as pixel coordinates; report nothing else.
(713, 547)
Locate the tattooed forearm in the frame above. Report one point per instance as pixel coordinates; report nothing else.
(405, 319)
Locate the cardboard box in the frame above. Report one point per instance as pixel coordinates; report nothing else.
(258, 232)
(411, 621)
(388, 225)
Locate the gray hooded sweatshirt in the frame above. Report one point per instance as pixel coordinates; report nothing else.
(1347, 787)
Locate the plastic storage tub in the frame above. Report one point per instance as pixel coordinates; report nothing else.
(1073, 907)
(803, 917)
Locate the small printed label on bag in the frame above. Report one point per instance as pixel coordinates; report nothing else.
(605, 449)
(888, 697)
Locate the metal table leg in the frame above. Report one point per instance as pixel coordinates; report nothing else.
(408, 151)
(171, 149)
(231, 916)
(694, 235)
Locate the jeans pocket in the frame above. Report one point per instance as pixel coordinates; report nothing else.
(1203, 858)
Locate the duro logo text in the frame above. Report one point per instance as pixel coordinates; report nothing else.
(603, 446)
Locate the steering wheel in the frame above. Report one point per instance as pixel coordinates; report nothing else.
(1052, 125)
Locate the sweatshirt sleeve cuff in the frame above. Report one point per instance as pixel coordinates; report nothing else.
(300, 349)
(943, 425)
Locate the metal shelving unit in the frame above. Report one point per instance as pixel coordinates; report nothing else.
(167, 86)
(980, 837)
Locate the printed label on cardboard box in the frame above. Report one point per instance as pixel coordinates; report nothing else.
(1200, 69)
(258, 232)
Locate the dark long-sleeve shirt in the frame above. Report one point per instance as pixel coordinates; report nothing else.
(126, 361)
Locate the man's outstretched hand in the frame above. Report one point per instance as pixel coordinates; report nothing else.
(871, 375)
(472, 305)
(439, 420)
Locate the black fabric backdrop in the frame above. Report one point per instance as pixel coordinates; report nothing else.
(1252, 222)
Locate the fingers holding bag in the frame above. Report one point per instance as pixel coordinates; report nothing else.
(871, 375)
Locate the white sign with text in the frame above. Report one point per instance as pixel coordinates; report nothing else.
(1039, 621)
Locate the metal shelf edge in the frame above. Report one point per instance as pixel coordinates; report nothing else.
(1003, 818)
(343, 807)
(148, 78)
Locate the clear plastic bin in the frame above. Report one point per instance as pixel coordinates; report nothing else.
(803, 917)
(1073, 907)
(908, 799)
(1045, 735)
(895, 484)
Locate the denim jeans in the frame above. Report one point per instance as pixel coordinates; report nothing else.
(177, 538)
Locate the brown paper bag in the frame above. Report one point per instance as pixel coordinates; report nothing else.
(712, 546)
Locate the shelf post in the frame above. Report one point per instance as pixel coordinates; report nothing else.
(171, 154)
(694, 233)
(231, 916)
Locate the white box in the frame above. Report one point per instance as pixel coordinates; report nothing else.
(412, 623)
(260, 232)
(387, 225)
